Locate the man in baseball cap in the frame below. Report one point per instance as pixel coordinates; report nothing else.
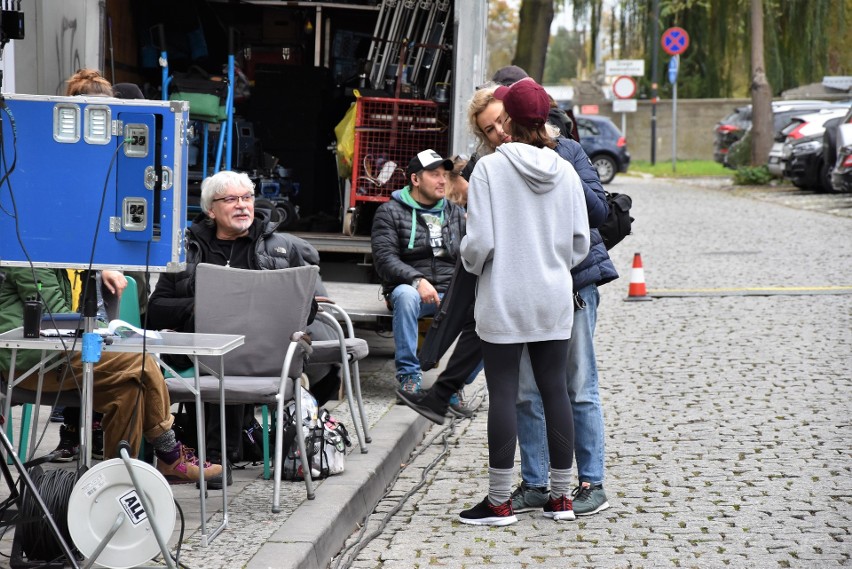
(415, 243)
(427, 160)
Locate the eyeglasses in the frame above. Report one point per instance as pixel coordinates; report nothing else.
(231, 200)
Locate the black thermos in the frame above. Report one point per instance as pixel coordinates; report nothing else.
(32, 318)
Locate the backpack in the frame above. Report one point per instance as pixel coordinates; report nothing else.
(618, 224)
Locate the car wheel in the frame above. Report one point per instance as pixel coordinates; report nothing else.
(825, 177)
(606, 168)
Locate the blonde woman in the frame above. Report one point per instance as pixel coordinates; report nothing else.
(457, 191)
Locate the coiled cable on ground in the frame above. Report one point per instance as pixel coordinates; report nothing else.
(36, 538)
(347, 556)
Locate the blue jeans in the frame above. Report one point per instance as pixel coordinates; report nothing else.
(407, 309)
(585, 403)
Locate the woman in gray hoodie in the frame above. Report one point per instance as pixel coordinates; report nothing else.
(527, 227)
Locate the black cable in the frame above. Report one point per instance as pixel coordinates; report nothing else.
(36, 539)
(176, 556)
(360, 541)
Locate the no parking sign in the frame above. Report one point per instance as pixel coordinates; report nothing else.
(675, 41)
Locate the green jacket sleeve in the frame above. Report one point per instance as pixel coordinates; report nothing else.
(15, 290)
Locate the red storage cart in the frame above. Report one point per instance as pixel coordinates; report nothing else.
(388, 133)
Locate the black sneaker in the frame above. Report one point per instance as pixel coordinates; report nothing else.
(526, 498)
(97, 442)
(69, 445)
(487, 514)
(421, 403)
(57, 415)
(559, 509)
(589, 500)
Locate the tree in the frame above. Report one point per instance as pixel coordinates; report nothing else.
(502, 31)
(533, 36)
(761, 93)
(562, 56)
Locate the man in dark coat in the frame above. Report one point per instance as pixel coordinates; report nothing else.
(415, 242)
(228, 234)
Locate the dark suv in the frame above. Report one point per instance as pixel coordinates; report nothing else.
(603, 142)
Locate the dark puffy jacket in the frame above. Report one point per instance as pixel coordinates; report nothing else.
(172, 304)
(399, 260)
(597, 267)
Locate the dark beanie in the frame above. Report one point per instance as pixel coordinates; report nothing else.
(509, 74)
(127, 91)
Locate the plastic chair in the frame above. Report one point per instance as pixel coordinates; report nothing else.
(128, 308)
(347, 350)
(270, 308)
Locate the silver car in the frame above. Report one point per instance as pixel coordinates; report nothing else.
(841, 176)
(776, 159)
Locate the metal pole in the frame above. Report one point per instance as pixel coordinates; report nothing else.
(674, 125)
(379, 29)
(624, 125)
(655, 40)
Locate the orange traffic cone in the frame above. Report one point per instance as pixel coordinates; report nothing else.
(637, 281)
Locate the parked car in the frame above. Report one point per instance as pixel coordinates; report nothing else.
(841, 175)
(606, 147)
(803, 149)
(776, 161)
(734, 126)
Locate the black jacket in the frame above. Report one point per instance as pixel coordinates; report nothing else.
(399, 257)
(172, 305)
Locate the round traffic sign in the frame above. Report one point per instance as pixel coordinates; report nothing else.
(675, 41)
(624, 87)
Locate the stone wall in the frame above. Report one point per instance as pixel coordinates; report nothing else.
(696, 121)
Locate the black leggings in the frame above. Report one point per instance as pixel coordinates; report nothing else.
(549, 362)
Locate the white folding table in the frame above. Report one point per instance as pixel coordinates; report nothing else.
(191, 345)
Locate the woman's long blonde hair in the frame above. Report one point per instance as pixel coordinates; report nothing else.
(482, 97)
(453, 194)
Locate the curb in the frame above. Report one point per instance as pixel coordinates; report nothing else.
(317, 530)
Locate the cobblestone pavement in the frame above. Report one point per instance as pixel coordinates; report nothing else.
(728, 430)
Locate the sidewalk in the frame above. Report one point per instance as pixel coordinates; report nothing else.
(307, 533)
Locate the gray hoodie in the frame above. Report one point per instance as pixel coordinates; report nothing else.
(527, 226)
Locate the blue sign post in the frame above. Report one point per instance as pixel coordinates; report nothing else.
(674, 66)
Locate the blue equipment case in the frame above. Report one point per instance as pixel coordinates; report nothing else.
(93, 170)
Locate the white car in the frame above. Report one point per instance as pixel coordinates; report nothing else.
(801, 153)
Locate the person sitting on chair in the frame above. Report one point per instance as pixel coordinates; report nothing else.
(128, 389)
(227, 234)
(415, 242)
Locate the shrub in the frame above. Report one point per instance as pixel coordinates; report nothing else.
(752, 176)
(739, 154)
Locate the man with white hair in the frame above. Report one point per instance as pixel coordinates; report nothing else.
(227, 234)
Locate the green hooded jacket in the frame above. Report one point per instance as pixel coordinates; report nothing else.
(15, 290)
